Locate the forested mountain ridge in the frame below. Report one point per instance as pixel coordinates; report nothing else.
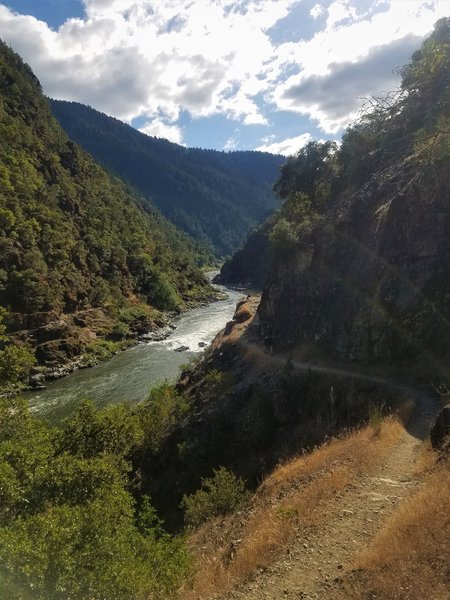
(73, 237)
(216, 197)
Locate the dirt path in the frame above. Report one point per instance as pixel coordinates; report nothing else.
(314, 564)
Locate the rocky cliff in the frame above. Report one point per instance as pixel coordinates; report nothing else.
(359, 268)
(372, 284)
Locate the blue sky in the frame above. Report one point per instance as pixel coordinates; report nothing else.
(225, 74)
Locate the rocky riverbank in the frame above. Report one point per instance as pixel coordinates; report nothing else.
(65, 343)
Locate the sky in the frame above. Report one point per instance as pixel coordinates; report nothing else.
(265, 75)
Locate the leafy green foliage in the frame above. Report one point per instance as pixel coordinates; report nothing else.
(90, 432)
(216, 197)
(69, 528)
(218, 495)
(71, 235)
(307, 181)
(163, 409)
(15, 361)
(309, 171)
(414, 118)
(99, 350)
(15, 364)
(217, 382)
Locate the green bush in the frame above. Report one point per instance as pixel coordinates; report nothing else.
(162, 410)
(99, 350)
(90, 432)
(15, 364)
(218, 495)
(218, 382)
(119, 331)
(376, 416)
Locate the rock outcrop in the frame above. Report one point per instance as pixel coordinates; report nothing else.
(440, 433)
(372, 285)
(360, 257)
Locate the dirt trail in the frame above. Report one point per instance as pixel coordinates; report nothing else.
(314, 564)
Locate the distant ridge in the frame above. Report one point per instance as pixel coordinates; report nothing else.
(216, 197)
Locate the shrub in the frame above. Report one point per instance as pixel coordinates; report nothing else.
(119, 331)
(69, 526)
(376, 416)
(218, 495)
(15, 364)
(99, 350)
(218, 382)
(159, 414)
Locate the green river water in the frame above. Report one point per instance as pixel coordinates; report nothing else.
(129, 375)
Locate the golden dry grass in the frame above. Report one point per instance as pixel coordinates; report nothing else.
(294, 499)
(426, 459)
(410, 557)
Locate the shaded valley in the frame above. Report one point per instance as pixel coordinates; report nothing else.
(216, 197)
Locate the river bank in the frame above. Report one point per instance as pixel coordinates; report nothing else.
(128, 375)
(64, 343)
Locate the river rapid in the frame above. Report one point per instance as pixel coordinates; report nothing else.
(129, 375)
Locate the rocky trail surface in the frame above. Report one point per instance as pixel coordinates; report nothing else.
(315, 562)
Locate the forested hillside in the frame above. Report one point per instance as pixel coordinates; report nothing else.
(216, 197)
(72, 236)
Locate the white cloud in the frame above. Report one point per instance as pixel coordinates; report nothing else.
(231, 144)
(286, 147)
(317, 11)
(339, 11)
(335, 99)
(354, 56)
(155, 58)
(158, 128)
(133, 58)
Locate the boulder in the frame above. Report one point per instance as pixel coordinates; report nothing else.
(440, 431)
(37, 381)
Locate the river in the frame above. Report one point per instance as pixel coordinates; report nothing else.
(129, 375)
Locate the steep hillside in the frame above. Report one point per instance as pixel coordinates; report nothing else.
(356, 300)
(249, 265)
(361, 516)
(72, 237)
(216, 197)
(360, 257)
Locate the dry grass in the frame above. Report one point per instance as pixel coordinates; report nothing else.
(409, 559)
(295, 499)
(426, 459)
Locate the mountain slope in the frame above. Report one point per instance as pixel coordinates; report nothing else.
(359, 251)
(73, 237)
(216, 197)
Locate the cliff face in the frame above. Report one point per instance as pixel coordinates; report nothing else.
(373, 284)
(248, 267)
(360, 268)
